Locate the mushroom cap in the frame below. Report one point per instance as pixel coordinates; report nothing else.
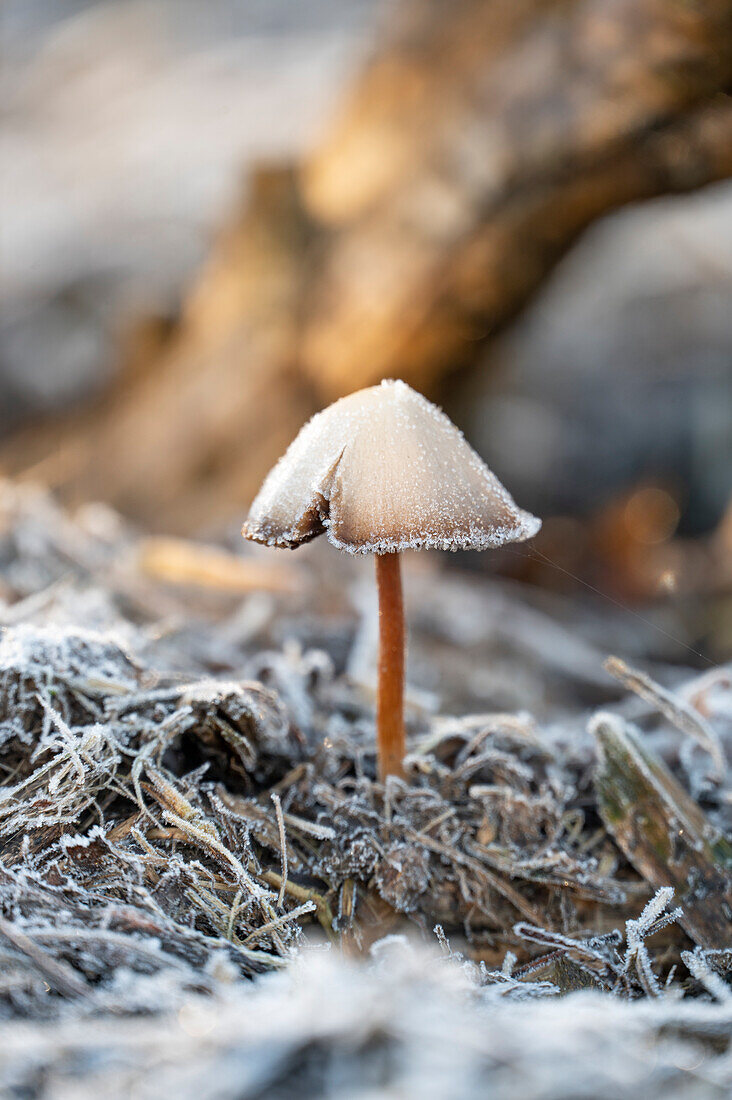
(385, 470)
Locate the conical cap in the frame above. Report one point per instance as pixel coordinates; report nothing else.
(385, 470)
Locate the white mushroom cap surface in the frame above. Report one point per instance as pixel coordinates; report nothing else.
(385, 470)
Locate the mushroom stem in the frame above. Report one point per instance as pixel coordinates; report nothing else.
(390, 696)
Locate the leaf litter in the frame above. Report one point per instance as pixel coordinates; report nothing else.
(200, 874)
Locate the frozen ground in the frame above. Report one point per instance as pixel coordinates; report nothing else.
(407, 1023)
(204, 892)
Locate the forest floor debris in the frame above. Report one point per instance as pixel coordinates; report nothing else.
(188, 802)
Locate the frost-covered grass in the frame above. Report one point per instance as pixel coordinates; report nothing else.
(201, 877)
(405, 1023)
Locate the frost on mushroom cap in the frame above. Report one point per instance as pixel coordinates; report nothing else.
(385, 470)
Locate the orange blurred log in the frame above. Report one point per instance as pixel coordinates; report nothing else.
(477, 145)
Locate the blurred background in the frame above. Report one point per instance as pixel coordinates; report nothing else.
(218, 217)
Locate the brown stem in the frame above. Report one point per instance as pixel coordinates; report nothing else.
(390, 697)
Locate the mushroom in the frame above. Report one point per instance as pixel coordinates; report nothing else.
(381, 471)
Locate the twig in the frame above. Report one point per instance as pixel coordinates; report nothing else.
(283, 847)
(678, 712)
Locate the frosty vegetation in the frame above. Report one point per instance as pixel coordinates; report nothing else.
(205, 891)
